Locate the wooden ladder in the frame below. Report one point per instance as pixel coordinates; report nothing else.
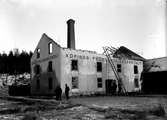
(109, 51)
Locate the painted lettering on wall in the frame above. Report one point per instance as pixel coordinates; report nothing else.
(127, 61)
(74, 56)
(44, 59)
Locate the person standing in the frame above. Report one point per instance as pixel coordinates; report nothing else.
(119, 88)
(67, 89)
(58, 92)
(114, 87)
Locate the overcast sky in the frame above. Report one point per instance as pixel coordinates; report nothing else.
(136, 24)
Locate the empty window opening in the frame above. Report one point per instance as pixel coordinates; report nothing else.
(135, 69)
(75, 83)
(38, 53)
(37, 69)
(50, 47)
(136, 83)
(99, 67)
(118, 67)
(50, 83)
(74, 65)
(50, 68)
(99, 83)
(38, 84)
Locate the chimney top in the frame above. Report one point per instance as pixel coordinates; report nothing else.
(70, 20)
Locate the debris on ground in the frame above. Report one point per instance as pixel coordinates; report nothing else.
(50, 109)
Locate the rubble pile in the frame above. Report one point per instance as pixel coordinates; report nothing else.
(20, 79)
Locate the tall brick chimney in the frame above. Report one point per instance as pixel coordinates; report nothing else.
(166, 26)
(70, 34)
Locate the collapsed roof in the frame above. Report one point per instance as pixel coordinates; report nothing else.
(124, 52)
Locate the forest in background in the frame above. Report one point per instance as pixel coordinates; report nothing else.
(15, 62)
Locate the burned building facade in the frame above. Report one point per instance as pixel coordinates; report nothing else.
(85, 72)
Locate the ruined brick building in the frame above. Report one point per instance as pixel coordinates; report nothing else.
(85, 72)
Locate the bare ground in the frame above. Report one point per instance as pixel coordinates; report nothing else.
(85, 108)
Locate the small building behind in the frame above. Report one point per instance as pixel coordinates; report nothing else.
(154, 76)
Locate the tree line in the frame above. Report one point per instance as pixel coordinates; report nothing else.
(15, 62)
